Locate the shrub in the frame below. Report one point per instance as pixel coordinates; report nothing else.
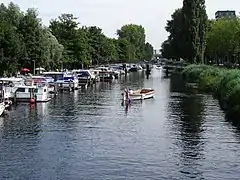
(233, 106)
(225, 92)
(223, 83)
(209, 79)
(192, 72)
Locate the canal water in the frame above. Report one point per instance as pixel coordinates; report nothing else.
(89, 135)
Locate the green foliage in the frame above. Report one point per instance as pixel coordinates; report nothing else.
(213, 42)
(192, 72)
(173, 47)
(223, 83)
(210, 78)
(132, 44)
(188, 32)
(223, 41)
(23, 40)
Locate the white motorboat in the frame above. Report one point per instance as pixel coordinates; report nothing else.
(140, 94)
(64, 80)
(42, 81)
(8, 86)
(85, 77)
(26, 93)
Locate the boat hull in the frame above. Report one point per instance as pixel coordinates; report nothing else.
(2, 108)
(141, 94)
(27, 100)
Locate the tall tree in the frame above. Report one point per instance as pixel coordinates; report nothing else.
(24, 40)
(191, 28)
(188, 32)
(97, 41)
(65, 30)
(148, 51)
(176, 39)
(203, 27)
(135, 36)
(223, 41)
(11, 46)
(31, 30)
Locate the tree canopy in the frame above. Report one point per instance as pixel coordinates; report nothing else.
(187, 32)
(223, 41)
(24, 39)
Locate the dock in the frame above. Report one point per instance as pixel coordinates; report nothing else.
(170, 66)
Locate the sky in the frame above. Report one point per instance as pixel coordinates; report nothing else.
(110, 15)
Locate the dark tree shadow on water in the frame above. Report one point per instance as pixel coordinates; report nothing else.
(190, 127)
(234, 120)
(186, 110)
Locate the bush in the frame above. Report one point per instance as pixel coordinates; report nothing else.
(192, 72)
(223, 83)
(233, 105)
(225, 80)
(210, 78)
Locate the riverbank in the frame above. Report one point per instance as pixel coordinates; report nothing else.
(223, 84)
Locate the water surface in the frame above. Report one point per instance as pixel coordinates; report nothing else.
(89, 135)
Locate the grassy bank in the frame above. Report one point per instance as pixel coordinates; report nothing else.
(222, 83)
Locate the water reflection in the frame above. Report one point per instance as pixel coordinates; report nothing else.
(188, 128)
(133, 80)
(25, 120)
(191, 128)
(88, 134)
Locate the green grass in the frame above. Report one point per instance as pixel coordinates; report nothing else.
(222, 83)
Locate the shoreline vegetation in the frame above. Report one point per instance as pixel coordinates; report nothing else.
(25, 41)
(212, 47)
(222, 83)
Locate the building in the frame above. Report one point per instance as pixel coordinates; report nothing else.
(225, 14)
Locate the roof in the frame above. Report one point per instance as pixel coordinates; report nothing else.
(225, 11)
(11, 79)
(53, 72)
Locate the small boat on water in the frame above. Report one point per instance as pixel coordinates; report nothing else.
(140, 94)
(159, 67)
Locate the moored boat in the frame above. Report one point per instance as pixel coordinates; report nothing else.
(2, 108)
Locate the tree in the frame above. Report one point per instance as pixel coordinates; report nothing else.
(23, 39)
(187, 29)
(65, 30)
(223, 44)
(31, 33)
(203, 27)
(191, 29)
(134, 41)
(166, 50)
(124, 50)
(11, 47)
(175, 45)
(96, 41)
(51, 50)
(148, 51)
(82, 48)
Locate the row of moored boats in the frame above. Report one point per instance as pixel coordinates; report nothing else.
(41, 88)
